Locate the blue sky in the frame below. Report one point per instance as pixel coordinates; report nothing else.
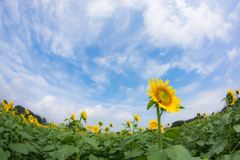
(59, 57)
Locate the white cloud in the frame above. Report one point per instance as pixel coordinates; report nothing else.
(229, 81)
(216, 78)
(188, 88)
(102, 8)
(100, 77)
(153, 69)
(180, 24)
(233, 53)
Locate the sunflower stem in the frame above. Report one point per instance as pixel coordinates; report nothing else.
(159, 128)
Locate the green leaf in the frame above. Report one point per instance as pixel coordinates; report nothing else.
(92, 157)
(150, 104)
(200, 143)
(234, 156)
(25, 135)
(107, 143)
(21, 148)
(69, 139)
(216, 148)
(91, 141)
(4, 154)
(172, 133)
(225, 117)
(133, 153)
(49, 147)
(150, 131)
(65, 151)
(181, 107)
(171, 153)
(237, 128)
(65, 119)
(1, 129)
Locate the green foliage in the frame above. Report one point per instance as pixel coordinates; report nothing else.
(198, 139)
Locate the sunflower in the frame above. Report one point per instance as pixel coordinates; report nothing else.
(111, 125)
(237, 91)
(95, 128)
(140, 129)
(153, 124)
(27, 112)
(30, 117)
(130, 133)
(205, 114)
(88, 127)
(73, 116)
(100, 123)
(137, 117)
(106, 129)
(129, 124)
(162, 130)
(35, 120)
(84, 115)
(231, 96)
(163, 95)
(169, 124)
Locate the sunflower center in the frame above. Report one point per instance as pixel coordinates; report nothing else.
(164, 96)
(154, 124)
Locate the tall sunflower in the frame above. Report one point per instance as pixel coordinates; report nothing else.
(136, 117)
(129, 124)
(231, 97)
(100, 123)
(95, 128)
(153, 124)
(88, 127)
(73, 116)
(163, 95)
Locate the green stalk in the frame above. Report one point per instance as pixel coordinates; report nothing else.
(159, 128)
(133, 131)
(68, 124)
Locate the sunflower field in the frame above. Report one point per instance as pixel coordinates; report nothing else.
(210, 137)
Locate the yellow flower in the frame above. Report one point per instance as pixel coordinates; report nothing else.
(137, 117)
(106, 129)
(130, 133)
(84, 115)
(76, 129)
(3, 102)
(162, 125)
(73, 116)
(140, 129)
(100, 123)
(207, 117)
(153, 124)
(162, 130)
(27, 112)
(185, 123)
(13, 112)
(237, 91)
(147, 128)
(10, 105)
(107, 132)
(35, 120)
(111, 125)
(128, 123)
(95, 128)
(205, 114)
(169, 124)
(233, 97)
(163, 95)
(88, 127)
(30, 118)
